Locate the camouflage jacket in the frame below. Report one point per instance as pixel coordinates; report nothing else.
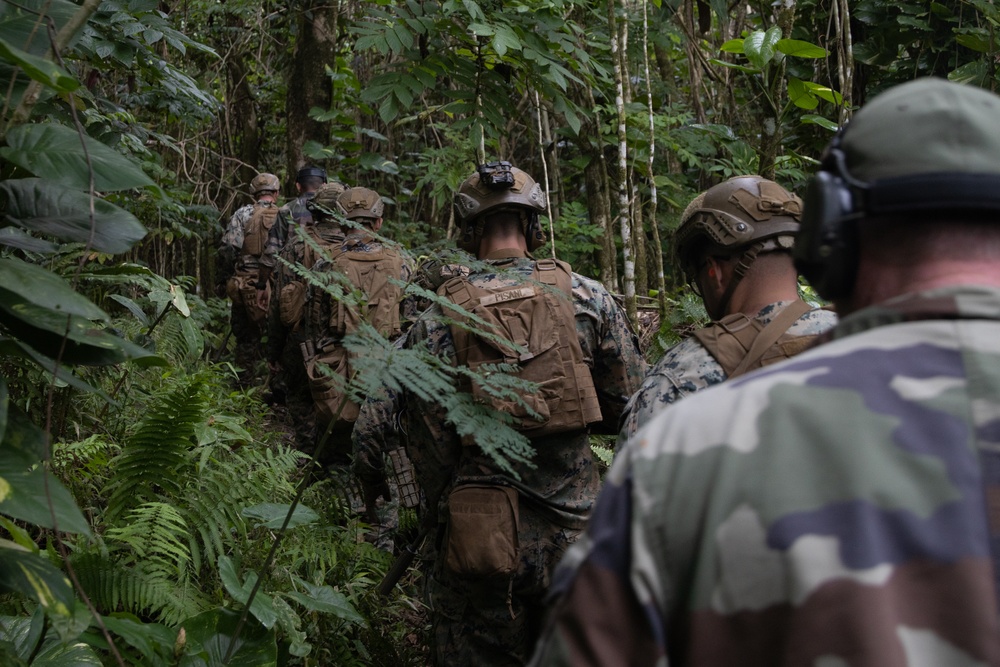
(231, 245)
(826, 510)
(564, 479)
(294, 251)
(688, 367)
(291, 214)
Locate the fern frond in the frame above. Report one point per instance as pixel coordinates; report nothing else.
(157, 534)
(150, 463)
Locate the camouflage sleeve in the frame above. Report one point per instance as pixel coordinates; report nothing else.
(410, 305)
(607, 337)
(232, 240)
(686, 368)
(597, 617)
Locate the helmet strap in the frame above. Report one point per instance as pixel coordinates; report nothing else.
(739, 273)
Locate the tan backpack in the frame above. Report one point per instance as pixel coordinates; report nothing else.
(741, 344)
(539, 318)
(328, 321)
(256, 228)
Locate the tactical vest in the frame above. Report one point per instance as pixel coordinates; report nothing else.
(741, 344)
(535, 328)
(256, 228)
(328, 321)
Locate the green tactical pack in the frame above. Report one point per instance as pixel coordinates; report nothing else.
(539, 319)
(328, 321)
(741, 344)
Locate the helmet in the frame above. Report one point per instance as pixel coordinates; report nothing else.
(326, 196)
(310, 171)
(496, 186)
(361, 203)
(263, 183)
(742, 212)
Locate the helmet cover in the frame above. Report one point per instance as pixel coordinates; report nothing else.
(361, 203)
(263, 183)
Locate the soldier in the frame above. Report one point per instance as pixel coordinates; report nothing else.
(286, 332)
(837, 508)
(499, 533)
(307, 181)
(238, 261)
(734, 245)
(364, 275)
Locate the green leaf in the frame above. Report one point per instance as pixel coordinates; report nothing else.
(28, 486)
(210, 635)
(978, 43)
(741, 68)
(800, 96)
(154, 641)
(21, 537)
(41, 70)
(44, 289)
(975, 73)
(49, 208)
(505, 40)
(821, 121)
(326, 600)
(759, 46)
(30, 574)
(67, 655)
(20, 239)
(262, 608)
(732, 46)
(16, 348)
(273, 515)
(59, 153)
(800, 49)
(824, 92)
(132, 307)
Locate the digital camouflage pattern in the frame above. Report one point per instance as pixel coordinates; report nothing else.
(828, 510)
(495, 623)
(688, 367)
(231, 245)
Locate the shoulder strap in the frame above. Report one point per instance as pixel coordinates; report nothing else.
(774, 330)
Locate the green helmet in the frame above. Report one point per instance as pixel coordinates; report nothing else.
(327, 196)
(361, 203)
(263, 183)
(494, 187)
(740, 214)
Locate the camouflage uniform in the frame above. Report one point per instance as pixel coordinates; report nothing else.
(489, 622)
(689, 367)
(828, 510)
(232, 261)
(290, 216)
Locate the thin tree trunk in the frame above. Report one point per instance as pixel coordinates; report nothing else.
(599, 194)
(628, 275)
(661, 288)
(308, 85)
(841, 17)
(770, 134)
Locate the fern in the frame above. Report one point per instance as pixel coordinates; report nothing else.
(156, 534)
(153, 458)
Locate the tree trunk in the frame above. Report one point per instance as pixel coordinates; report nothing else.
(628, 274)
(308, 86)
(770, 132)
(661, 290)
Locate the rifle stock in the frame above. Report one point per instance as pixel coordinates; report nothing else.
(402, 562)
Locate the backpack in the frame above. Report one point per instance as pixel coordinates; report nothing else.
(538, 316)
(328, 321)
(741, 344)
(256, 228)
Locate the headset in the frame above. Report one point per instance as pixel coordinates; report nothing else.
(826, 248)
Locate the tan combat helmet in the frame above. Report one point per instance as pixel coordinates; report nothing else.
(494, 187)
(742, 214)
(264, 183)
(361, 203)
(326, 200)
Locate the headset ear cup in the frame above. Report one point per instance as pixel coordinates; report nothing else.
(826, 247)
(534, 235)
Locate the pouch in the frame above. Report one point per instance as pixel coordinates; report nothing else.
(481, 539)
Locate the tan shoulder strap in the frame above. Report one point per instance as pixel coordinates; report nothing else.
(774, 330)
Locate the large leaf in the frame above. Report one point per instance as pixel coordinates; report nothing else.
(29, 574)
(16, 26)
(759, 46)
(20, 239)
(273, 515)
(261, 607)
(326, 600)
(210, 635)
(43, 206)
(154, 641)
(26, 487)
(24, 632)
(69, 338)
(41, 70)
(800, 95)
(800, 49)
(44, 289)
(16, 348)
(67, 655)
(58, 153)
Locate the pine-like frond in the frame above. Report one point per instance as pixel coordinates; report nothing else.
(157, 535)
(151, 462)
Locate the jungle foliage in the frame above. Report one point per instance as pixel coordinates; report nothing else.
(153, 515)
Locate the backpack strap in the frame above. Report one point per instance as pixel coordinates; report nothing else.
(774, 330)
